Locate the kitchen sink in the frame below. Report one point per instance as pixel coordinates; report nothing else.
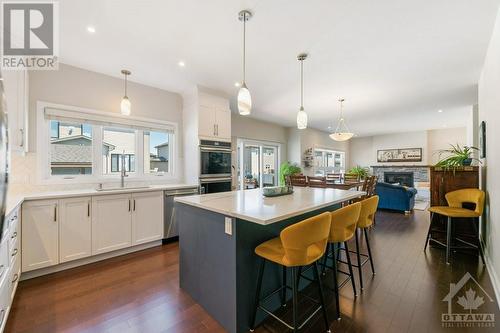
(110, 189)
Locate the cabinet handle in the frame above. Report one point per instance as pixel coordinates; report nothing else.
(129, 205)
(16, 276)
(2, 313)
(134, 205)
(214, 129)
(88, 209)
(22, 137)
(217, 127)
(55, 213)
(14, 252)
(14, 235)
(2, 267)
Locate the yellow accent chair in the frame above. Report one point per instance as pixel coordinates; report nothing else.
(300, 244)
(455, 209)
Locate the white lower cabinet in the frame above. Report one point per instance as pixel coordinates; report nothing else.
(75, 229)
(111, 222)
(40, 230)
(147, 217)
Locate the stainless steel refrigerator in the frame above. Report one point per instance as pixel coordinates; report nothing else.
(3, 156)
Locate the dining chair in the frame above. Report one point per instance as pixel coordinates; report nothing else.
(333, 177)
(350, 178)
(298, 180)
(316, 182)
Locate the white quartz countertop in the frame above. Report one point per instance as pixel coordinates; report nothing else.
(252, 206)
(13, 200)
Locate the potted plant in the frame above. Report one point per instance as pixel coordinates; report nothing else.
(456, 156)
(288, 169)
(359, 171)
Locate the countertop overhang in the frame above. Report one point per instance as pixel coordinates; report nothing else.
(251, 205)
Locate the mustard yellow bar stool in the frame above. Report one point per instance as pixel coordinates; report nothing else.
(342, 230)
(300, 244)
(365, 221)
(456, 200)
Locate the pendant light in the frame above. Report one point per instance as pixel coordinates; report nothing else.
(244, 98)
(125, 105)
(342, 132)
(301, 115)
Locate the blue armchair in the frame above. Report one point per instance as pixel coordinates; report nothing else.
(396, 197)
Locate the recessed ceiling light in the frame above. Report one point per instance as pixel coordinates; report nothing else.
(91, 29)
(440, 111)
(444, 126)
(237, 84)
(181, 64)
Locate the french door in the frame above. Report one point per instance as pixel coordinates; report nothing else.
(258, 164)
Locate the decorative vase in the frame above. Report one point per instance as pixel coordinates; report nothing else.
(467, 162)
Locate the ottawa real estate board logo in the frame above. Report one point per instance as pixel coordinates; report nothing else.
(30, 35)
(465, 300)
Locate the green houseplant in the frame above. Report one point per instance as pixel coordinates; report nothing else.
(359, 171)
(456, 156)
(288, 169)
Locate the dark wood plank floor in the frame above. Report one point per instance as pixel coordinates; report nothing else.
(140, 293)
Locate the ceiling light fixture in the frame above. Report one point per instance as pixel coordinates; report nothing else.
(342, 132)
(440, 111)
(301, 115)
(91, 29)
(125, 105)
(181, 64)
(244, 98)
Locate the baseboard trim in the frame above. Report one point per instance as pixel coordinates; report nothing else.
(88, 260)
(495, 281)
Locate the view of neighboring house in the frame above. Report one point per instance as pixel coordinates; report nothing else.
(71, 150)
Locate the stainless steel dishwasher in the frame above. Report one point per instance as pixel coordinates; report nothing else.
(171, 230)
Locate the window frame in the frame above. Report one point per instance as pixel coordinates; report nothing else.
(43, 136)
(325, 169)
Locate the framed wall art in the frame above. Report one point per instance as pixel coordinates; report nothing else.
(400, 155)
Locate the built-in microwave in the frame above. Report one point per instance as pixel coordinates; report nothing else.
(215, 159)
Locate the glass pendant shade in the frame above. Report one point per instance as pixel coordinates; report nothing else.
(125, 106)
(244, 100)
(301, 119)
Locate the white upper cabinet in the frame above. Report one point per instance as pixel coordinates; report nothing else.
(75, 229)
(147, 217)
(214, 121)
(16, 94)
(40, 232)
(111, 222)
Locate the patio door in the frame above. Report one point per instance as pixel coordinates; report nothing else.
(258, 164)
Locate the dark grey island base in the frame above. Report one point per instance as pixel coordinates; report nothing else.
(219, 270)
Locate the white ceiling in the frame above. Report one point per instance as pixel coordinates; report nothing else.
(396, 62)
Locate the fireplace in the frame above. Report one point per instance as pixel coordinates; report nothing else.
(403, 178)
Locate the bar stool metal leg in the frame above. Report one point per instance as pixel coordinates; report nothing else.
(369, 251)
(283, 295)
(428, 232)
(479, 246)
(257, 294)
(321, 296)
(360, 266)
(294, 300)
(349, 264)
(448, 240)
(336, 282)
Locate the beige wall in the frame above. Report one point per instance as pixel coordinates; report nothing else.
(78, 87)
(363, 150)
(489, 111)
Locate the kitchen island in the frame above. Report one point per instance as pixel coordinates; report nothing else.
(217, 237)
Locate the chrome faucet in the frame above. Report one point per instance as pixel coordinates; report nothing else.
(123, 172)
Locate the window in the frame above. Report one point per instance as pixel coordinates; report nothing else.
(156, 152)
(328, 161)
(117, 142)
(70, 148)
(93, 146)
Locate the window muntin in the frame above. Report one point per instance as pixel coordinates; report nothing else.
(116, 142)
(70, 148)
(156, 152)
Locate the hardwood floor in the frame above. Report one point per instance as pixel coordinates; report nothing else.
(140, 292)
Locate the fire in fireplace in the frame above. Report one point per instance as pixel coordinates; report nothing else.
(403, 178)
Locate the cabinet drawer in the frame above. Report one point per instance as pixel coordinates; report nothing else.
(4, 302)
(4, 259)
(15, 274)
